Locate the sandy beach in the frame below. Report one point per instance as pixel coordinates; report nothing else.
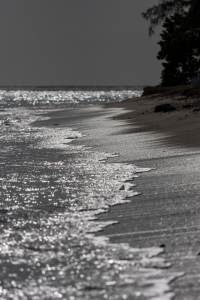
(155, 233)
(182, 125)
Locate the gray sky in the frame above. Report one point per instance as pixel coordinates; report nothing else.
(77, 42)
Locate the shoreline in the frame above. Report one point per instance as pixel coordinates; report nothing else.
(166, 213)
(54, 192)
(101, 133)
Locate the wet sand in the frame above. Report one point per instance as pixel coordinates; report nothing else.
(167, 213)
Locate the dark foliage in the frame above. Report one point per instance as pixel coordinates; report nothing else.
(172, 91)
(164, 108)
(165, 9)
(180, 39)
(180, 50)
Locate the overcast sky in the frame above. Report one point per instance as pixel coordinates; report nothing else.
(77, 42)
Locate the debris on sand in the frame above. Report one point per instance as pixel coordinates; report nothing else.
(164, 108)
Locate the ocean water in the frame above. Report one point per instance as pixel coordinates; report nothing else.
(52, 191)
(65, 96)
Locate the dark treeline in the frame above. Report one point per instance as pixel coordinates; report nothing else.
(180, 39)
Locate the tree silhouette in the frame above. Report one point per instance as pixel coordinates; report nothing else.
(180, 39)
(166, 9)
(180, 50)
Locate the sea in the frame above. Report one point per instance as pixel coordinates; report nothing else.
(64, 96)
(52, 191)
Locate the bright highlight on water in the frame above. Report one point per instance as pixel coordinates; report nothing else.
(66, 96)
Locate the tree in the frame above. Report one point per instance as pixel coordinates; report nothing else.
(180, 50)
(166, 9)
(180, 39)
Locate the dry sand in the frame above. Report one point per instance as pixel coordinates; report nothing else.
(181, 124)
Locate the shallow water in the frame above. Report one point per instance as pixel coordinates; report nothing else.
(52, 191)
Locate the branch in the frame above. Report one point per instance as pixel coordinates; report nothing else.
(166, 8)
